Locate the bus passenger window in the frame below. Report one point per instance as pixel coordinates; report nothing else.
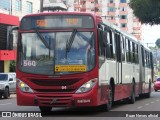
(118, 46)
(123, 48)
(108, 52)
(133, 46)
(137, 58)
(112, 40)
(127, 51)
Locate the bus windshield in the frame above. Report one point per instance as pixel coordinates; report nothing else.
(46, 52)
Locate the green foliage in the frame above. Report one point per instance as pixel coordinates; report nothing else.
(148, 11)
(13, 66)
(158, 42)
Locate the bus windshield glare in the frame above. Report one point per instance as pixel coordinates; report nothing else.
(46, 52)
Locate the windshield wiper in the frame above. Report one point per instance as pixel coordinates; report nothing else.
(70, 41)
(42, 39)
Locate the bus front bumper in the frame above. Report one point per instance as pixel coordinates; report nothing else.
(58, 99)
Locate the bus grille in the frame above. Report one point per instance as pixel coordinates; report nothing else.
(59, 101)
(55, 85)
(54, 90)
(55, 82)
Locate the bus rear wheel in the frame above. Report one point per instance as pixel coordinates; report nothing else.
(132, 98)
(147, 95)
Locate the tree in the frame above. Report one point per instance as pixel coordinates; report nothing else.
(158, 42)
(13, 66)
(148, 11)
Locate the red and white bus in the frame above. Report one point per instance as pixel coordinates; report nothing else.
(72, 59)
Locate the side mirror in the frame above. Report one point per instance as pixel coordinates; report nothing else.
(10, 44)
(10, 79)
(10, 38)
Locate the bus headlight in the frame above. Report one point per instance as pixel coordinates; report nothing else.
(87, 86)
(24, 87)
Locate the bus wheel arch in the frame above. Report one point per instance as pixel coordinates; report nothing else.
(111, 89)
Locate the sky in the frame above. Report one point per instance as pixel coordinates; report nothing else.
(150, 34)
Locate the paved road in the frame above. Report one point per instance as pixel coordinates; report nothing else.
(145, 104)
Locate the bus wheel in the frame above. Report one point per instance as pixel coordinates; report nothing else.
(147, 95)
(6, 93)
(45, 109)
(0, 96)
(132, 98)
(107, 107)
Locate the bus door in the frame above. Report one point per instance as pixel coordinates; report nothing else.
(118, 47)
(102, 56)
(142, 69)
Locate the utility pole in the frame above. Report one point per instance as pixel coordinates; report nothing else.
(41, 5)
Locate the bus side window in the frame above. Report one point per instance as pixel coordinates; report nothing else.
(137, 54)
(118, 46)
(101, 50)
(143, 59)
(112, 42)
(133, 52)
(108, 50)
(130, 50)
(123, 48)
(127, 50)
(101, 44)
(151, 62)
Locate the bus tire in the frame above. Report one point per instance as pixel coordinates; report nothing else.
(44, 110)
(6, 93)
(132, 98)
(0, 96)
(147, 95)
(107, 107)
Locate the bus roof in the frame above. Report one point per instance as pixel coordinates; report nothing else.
(96, 19)
(60, 13)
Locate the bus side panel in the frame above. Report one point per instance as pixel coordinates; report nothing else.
(106, 72)
(123, 89)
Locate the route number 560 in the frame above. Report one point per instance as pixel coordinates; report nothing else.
(29, 63)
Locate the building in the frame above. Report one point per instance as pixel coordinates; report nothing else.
(11, 11)
(117, 12)
(6, 21)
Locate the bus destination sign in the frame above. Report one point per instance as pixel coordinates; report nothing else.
(70, 68)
